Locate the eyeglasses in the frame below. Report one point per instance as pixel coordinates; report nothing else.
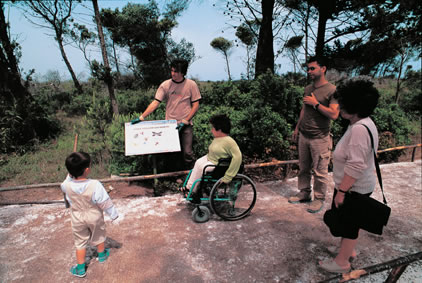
(311, 68)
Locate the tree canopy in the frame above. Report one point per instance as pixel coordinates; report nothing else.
(340, 29)
(145, 31)
(223, 46)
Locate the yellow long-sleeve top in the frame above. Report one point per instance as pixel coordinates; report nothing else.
(225, 147)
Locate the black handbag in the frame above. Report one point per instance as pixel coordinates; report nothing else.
(360, 210)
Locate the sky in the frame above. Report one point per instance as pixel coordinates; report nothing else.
(200, 24)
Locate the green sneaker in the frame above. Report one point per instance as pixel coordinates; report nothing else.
(78, 270)
(102, 257)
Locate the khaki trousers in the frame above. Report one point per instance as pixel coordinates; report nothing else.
(314, 157)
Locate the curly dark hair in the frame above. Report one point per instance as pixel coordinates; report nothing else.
(357, 96)
(221, 122)
(77, 162)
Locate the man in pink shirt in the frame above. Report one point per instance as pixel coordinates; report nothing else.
(182, 98)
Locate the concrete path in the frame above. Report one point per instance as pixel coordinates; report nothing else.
(155, 240)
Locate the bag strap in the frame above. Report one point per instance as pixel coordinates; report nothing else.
(376, 164)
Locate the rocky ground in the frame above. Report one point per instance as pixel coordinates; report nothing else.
(155, 239)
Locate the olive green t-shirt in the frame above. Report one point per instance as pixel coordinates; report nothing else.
(314, 124)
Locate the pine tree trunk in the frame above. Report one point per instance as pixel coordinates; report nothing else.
(68, 65)
(265, 50)
(108, 77)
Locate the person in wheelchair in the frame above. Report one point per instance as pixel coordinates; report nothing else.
(223, 146)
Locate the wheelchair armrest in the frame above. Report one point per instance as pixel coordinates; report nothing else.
(220, 169)
(206, 167)
(224, 161)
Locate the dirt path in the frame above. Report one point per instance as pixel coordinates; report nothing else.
(155, 240)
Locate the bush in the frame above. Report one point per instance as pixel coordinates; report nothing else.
(78, 104)
(51, 99)
(394, 129)
(411, 95)
(19, 132)
(134, 100)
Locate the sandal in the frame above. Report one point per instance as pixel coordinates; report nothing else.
(102, 257)
(77, 271)
(331, 266)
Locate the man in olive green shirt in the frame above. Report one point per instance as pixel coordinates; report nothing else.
(313, 132)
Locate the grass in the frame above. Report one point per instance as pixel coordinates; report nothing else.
(45, 164)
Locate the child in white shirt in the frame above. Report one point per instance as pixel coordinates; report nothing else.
(88, 199)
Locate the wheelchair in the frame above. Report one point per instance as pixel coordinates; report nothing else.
(231, 202)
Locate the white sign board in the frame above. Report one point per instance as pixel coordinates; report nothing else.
(149, 137)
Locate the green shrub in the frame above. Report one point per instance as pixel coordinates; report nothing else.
(260, 133)
(78, 104)
(134, 100)
(411, 95)
(394, 129)
(51, 99)
(19, 132)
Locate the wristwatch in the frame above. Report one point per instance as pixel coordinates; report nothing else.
(316, 106)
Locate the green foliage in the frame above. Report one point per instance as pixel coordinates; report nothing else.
(222, 45)
(267, 90)
(134, 100)
(262, 112)
(52, 99)
(269, 134)
(78, 104)
(145, 31)
(95, 124)
(411, 95)
(20, 132)
(392, 119)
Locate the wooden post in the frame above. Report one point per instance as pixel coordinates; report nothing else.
(154, 169)
(413, 154)
(75, 143)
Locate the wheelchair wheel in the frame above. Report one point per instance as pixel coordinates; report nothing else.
(201, 214)
(233, 201)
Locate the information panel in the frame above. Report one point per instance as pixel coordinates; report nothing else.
(150, 137)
